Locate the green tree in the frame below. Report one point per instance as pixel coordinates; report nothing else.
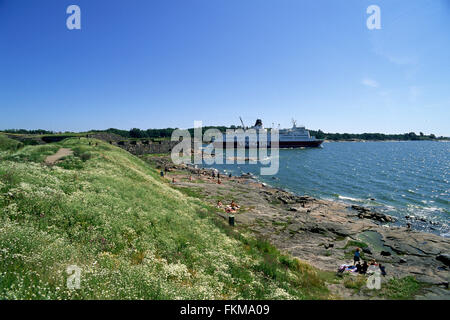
(136, 133)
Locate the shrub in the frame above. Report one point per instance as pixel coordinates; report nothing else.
(401, 289)
(352, 282)
(86, 156)
(353, 243)
(71, 163)
(7, 144)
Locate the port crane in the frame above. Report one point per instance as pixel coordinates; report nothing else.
(242, 122)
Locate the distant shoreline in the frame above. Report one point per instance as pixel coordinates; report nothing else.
(165, 134)
(361, 140)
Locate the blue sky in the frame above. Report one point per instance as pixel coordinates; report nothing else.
(166, 63)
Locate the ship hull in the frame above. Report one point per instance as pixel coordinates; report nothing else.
(281, 144)
(300, 144)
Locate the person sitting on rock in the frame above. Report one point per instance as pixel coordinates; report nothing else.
(357, 256)
(364, 267)
(219, 204)
(341, 269)
(358, 267)
(382, 269)
(228, 209)
(234, 205)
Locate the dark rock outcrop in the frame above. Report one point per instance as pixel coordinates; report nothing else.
(444, 258)
(366, 213)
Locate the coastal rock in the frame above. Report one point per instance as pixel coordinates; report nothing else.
(385, 253)
(366, 213)
(322, 235)
(421, 219)
(318, 229)
(367, 250)
(247, 175)
(360, 209)
(431, 280)
(329, 245)
(444, 258)
(286, 199)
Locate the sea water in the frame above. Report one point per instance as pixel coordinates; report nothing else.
(401, 179)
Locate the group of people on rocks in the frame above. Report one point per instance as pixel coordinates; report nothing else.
(363, 268)
(213, 176)
(231, 208)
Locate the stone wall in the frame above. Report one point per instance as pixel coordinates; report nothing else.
(105, 136)
(136, 147)
(140, 147)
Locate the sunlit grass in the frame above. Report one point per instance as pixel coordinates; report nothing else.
(131, 233)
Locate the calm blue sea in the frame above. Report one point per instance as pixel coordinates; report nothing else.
(398, 178)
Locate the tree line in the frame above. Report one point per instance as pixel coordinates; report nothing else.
(373, 136)
(136, 133)
(24, 131)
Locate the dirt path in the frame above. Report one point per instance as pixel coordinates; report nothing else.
(63, 152)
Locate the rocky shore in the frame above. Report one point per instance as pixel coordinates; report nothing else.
(324, 233)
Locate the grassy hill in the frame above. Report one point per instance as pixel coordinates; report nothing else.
(132, 235)
(9, 144)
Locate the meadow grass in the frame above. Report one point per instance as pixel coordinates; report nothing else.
(356, 244)
(401, 289)
(7, 144)
(355, 282)
(130, 232)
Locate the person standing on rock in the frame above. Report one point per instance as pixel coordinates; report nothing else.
(357, 256)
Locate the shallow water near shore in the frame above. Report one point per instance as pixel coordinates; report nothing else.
(397, 178)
